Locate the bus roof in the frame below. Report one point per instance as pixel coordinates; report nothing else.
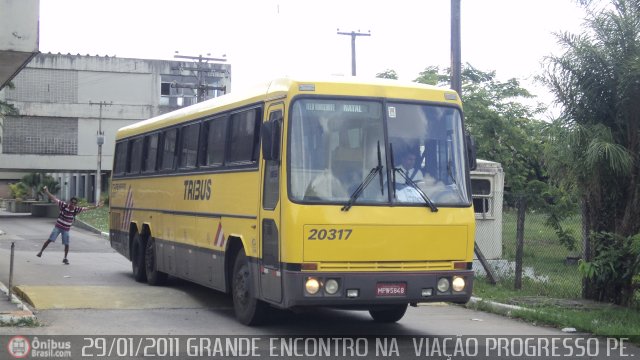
(282, 87)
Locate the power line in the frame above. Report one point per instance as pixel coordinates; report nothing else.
(201, 87)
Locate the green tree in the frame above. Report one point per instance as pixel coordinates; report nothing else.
(7, 109)
(388, 74)
(432, 75)
(596, 141)
(497, 115)
(34, 182)
(18, 190)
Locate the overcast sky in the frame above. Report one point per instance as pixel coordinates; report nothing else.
(264, 39)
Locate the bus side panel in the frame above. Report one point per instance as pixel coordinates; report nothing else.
(118, 227)
(192, 228)
(202, 266)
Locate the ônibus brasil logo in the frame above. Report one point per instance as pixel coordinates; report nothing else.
(19, 347)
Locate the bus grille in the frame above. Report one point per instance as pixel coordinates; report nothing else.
(386, 266)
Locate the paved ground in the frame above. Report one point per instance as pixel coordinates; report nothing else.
(97, 295)
(97, 277)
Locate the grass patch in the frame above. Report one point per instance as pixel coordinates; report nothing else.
(544, 255)
(597, 318)
(98, 218)
(607, 320)
(27, 322)
(553, 295)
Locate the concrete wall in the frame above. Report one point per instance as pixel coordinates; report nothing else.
(56, 89)
(117, 88)
(19, 25)
(59, 99)
(19, 36)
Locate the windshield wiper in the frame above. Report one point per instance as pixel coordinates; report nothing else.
(365, 183)
(424, 196)
(393, 173)
(450, 169)
(449, 156)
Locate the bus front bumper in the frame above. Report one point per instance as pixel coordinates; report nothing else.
(368, 289)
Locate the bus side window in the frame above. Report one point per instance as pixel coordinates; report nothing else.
(169, 149)
(189, 146)
(135, 162)
(120, 167)
(150, 153)
(215, 139)
(244, 136)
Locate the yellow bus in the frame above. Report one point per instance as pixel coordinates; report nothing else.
(303, 193)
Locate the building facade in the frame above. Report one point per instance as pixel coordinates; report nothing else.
(69, 104)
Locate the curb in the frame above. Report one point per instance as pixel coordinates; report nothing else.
(503, 309)
(21, 313)
(83, 225)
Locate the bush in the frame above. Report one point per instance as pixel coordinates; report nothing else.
(614, 271)
(18, 190)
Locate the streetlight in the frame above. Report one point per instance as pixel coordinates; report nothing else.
(100, 142)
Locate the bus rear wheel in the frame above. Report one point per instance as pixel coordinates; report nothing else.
(389, 314)
(248, 309)
(154, 276)
(137, 259)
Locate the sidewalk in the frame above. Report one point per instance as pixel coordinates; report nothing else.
(14, 311)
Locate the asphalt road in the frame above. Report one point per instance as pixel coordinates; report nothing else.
(96, 294)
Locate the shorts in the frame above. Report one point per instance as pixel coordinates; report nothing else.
(57, 231)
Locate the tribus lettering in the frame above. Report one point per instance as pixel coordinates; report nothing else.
(197, 189)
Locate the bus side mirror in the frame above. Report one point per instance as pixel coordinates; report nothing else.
(270, 138)
(471, 152)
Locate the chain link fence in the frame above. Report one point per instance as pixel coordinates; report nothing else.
(545, 267)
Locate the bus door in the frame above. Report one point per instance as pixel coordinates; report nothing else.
(270, 269)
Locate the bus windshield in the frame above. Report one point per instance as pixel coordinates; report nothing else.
(336, 144)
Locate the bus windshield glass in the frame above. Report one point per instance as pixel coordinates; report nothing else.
(336, 144)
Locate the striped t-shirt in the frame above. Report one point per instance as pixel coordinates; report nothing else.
(66, 217)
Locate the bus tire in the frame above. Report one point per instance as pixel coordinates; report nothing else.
(248, 309)
(137, 259)
(389, 314)
(154, 276)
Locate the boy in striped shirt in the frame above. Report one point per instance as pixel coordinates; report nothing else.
(67, 214)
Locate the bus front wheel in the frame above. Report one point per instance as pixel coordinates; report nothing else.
(388, 314)
(154, 276)
(137, 259)
(248, 309)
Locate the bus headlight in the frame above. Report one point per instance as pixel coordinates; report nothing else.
(457, 284)
(443, 285)
(331, 286)
(312, 286)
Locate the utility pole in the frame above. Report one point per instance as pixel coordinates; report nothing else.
(201, 87)
(456, 84)
(100, 141)
(353, 35)
(456, 62)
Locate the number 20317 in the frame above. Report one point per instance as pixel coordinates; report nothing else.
(329, 234)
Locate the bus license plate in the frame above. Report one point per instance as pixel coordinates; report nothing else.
(391, 289)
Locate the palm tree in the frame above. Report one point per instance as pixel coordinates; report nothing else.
(595, 143)
(36, 181)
